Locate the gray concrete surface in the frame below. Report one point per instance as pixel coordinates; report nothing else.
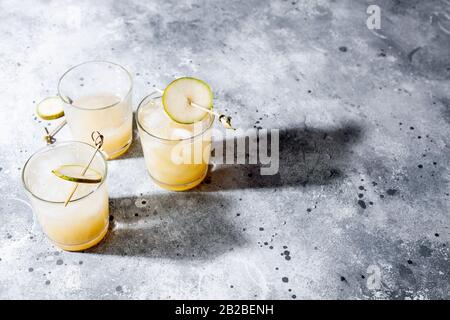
(364, 170)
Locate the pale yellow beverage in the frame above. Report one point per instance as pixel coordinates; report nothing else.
(88, 114)
(97, 96)
(176, 155)
(84, 221)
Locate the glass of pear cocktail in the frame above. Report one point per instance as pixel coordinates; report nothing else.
(83, 221)
(96, 96)
(176, 142)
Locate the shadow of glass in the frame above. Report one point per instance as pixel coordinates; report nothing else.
(308, 156)
(190, 226)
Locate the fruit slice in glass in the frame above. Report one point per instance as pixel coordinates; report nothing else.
(176, 154)
(84, 222)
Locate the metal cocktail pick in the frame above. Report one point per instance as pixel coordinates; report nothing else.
(49, 137)
(97, 138)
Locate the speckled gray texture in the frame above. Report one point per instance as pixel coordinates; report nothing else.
(360, 112)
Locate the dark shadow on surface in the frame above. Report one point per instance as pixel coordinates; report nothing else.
(191, 226)
(308, 156)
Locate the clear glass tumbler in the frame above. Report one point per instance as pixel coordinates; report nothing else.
(84, 221)
(97, 97)
(176, 155)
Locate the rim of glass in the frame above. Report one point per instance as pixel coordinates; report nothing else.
(122, 99)
(55, 145)
(211, 117)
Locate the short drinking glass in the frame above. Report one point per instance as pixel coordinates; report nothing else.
(97, 97)
(176, 155)
(84, 221)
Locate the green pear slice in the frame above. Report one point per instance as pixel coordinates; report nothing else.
(72, 172)
(50, 108)
(179, 95)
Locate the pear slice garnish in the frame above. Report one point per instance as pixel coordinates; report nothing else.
(187, 100)
(50, 108)
(72, 173)
(181, 94)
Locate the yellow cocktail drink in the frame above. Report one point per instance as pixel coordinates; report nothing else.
(176, 155)
(97, 97)
(84, 221)
(114, 122)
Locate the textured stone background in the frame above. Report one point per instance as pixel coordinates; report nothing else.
(364, 176)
